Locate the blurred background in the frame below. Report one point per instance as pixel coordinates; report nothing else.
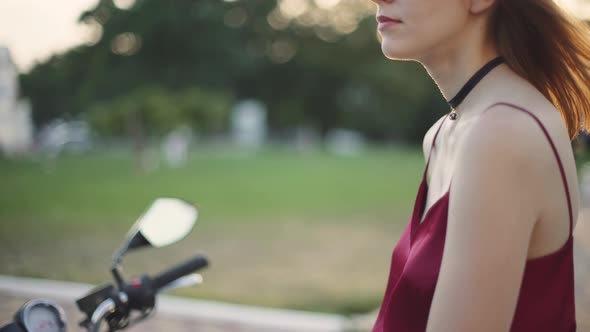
(281, 120)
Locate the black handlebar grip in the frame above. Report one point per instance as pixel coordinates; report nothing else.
(190, 266)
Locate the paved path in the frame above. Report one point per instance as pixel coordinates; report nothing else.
(173, 313)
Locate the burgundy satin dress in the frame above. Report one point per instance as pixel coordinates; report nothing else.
(546, 301)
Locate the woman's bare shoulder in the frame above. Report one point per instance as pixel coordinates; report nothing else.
(519, 93)
(528, 111)
(509, 132)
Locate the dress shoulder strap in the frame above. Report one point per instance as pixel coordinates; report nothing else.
(433, 145)
(559, 163)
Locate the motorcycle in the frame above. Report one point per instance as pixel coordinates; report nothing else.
(124, 303)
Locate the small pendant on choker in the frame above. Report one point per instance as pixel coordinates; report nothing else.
(471, 83)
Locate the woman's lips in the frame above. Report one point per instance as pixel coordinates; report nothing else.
(386, 21)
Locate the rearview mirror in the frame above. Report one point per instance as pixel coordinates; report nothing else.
(166, 221)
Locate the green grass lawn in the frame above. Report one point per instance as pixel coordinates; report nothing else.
(282, 228)
(272, 182)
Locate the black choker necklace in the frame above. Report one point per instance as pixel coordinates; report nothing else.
(478, 76)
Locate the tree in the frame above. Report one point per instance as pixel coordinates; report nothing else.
(311, 65)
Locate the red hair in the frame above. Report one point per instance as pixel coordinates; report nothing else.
(551, 49)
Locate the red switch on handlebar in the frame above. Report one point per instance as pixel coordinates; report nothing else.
(136, 283)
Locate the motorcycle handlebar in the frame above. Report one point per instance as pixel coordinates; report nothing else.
(192, 265)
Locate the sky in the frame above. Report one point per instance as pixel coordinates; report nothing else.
(35, 29)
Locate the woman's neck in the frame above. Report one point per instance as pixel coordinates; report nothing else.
(451, 72)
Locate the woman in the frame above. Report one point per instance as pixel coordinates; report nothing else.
(500, 195)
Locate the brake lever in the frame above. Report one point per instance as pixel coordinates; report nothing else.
(102, 310)
(186, 281)
(107, 306)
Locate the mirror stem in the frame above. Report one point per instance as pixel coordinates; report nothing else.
(117, 275)
(116, 267)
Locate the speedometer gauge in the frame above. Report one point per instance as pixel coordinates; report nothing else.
(41, 315)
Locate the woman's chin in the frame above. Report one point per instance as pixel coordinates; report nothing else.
(394, 51)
